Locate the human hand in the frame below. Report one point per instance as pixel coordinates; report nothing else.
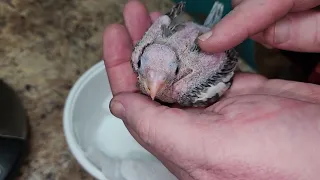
(262, 129)
(285, 24)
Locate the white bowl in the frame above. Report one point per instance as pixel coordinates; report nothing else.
(88, 123)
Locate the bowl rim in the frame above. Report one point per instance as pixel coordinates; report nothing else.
(67, 120)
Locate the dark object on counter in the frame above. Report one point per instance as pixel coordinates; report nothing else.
(13, 132)
(304, 63)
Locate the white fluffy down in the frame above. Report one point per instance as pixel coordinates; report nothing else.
(219, 88)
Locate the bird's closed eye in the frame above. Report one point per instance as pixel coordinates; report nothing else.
(177, 71)
(139, 63)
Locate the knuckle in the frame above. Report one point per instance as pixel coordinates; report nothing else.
(112, 28)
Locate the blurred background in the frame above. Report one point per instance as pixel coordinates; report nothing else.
(45, 45)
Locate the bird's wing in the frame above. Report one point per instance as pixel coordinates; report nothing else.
(231, 63)
(177, 21)
(176, 10)
(226, 67)
(208, 78)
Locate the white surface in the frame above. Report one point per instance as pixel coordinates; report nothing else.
(98, 140)
(116, 146)
(133, 170)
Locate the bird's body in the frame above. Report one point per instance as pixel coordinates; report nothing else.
(172, 68)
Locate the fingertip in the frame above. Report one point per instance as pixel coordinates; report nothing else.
(116, 44)
(218, 42)
(117, 109)
(137, 19)
(113, 30)
(154, 16)
(225, 35)
(260, 39)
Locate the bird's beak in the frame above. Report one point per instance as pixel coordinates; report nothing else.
(154, 87)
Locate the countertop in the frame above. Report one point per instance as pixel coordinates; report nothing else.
(45, 45)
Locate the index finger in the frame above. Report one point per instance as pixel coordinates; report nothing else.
(117, 49)
(137, 19)
(118, 42)
(247, 19)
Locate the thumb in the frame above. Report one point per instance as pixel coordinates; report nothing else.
(160, 127)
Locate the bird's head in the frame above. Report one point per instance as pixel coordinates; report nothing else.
(158, 68)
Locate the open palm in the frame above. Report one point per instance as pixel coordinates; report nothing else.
(261, 129)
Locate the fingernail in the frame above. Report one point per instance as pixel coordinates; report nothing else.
(282, 31)
(117, 109)
(205, 36)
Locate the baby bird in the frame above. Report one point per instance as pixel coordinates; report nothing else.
(171, 67)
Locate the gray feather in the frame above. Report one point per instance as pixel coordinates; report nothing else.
(176, 10)
(215, 14)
